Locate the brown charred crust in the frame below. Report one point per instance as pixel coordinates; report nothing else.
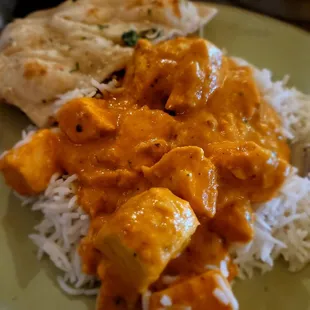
(34, 69)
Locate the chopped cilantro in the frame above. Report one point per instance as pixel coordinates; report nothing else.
(130, 38)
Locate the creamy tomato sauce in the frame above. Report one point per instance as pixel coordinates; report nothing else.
(185, 118)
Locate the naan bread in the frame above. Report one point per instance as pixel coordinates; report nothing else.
(54, 51)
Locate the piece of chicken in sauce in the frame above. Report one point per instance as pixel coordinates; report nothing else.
(187, 139)
(190, 176)
(29, 167)
(145, 233)
(200, 292)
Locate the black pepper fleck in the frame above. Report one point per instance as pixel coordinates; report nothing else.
(79, 128)
(119, 300)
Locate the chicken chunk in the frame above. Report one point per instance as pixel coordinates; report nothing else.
(115, 294)
(189, 175)
(206, 248)
(158, 74)
(207, 291)
(85, 119)
(145, 233)
(235, 222)
(29, 167)
(248, 167)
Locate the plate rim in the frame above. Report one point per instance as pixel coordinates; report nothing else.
(272, 19)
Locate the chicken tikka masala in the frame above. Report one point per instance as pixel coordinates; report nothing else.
(170, 166)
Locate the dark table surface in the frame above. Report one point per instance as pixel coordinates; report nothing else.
(301, 24)
(20, 8)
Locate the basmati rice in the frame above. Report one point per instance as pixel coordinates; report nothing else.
(225, 290)
(59, 233)
(146, 300)
(166, 301)
(282, 227)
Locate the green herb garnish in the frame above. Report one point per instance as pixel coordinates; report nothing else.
(130, 38)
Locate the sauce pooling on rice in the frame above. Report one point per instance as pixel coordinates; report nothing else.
(168, 168)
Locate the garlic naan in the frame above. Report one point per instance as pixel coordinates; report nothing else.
(54, 51)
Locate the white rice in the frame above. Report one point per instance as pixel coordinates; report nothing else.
(224, 294)
(166, 301)
(282, 227)
(102, 87)
(59, 233)
(85, 92)
(221, 267)
(73, 94)
(167, 280)
(146, 300)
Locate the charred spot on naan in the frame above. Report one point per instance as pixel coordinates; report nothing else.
(34, 69)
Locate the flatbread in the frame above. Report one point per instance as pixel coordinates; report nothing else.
(54, 51)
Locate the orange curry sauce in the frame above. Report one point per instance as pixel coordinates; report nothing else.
(188, 119)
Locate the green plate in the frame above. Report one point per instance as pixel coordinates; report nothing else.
(26, 284)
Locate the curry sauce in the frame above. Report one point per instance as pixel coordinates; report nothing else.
(169, 166)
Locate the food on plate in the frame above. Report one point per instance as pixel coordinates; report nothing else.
(188, 174)
(144, 234)
(55, 51)
(30, 167)
(168, 167)
(209, 290)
